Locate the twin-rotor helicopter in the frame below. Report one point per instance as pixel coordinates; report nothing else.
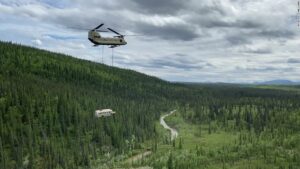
(95, 37)
(115, 41)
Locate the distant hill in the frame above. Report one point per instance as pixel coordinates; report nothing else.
(278, 82)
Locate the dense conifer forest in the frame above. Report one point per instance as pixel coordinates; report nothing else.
(47, 104)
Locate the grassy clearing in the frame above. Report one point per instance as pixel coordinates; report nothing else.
(218, 149)
(198, 135)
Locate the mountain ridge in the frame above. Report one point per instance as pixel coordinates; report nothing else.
(278, 82)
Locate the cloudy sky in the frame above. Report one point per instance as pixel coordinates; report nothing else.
(233, 41)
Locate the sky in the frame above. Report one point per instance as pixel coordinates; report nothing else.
(232, 41)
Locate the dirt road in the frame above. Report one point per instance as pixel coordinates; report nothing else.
(174, 132)
(138, 157)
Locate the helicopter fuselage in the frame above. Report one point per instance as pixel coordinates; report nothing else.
(96, 39)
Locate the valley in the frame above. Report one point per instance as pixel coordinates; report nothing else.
(47, 104)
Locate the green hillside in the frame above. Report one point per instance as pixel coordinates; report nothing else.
(47, 104)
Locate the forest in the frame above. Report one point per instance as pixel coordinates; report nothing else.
(48, 100)
(234, 127)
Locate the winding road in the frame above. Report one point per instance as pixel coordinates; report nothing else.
(174, 132)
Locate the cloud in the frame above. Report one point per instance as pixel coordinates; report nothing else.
(160, 7)
(293, 60)
(60, 37)
(247, 24)
(168, 32)
(286, 34)
(171, 63)
(180, 37)
(37, 42)
(257, 50)
(238, 40)
(264, 69)
(176, 61)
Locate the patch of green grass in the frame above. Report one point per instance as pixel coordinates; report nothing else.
(193, 135)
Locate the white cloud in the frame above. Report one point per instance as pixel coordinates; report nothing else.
(37, 42)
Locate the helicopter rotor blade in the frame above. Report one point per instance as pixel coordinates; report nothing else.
(100, 31)
(99, 26)
(134, 35)
(114, 31)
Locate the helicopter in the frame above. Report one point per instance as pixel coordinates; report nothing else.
(95, 37)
